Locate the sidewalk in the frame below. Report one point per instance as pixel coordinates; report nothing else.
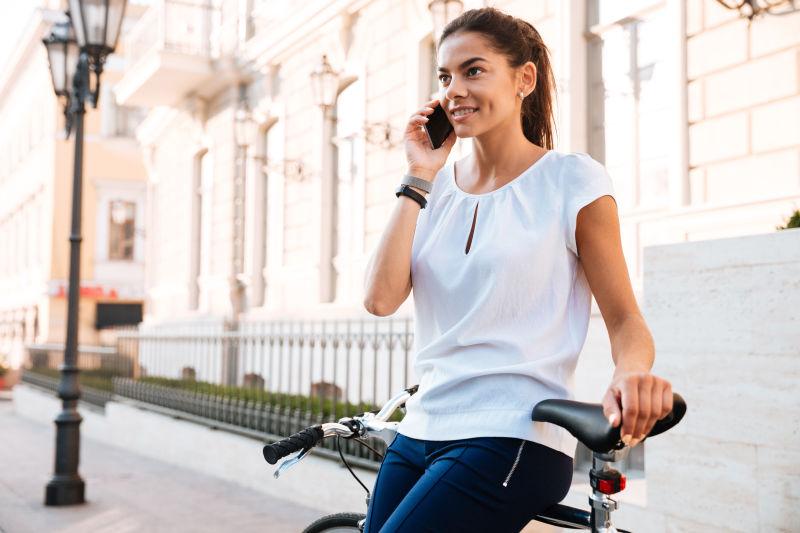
(126, 492)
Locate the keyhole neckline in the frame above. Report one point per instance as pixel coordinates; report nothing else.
(502, 187)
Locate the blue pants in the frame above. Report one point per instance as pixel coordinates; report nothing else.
(458, 485)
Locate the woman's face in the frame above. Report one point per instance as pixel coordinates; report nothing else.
(478, 86)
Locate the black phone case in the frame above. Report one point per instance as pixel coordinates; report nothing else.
(438, 127)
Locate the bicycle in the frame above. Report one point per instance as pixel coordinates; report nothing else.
(585, 421)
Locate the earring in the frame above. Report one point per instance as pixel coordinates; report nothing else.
(521, 95)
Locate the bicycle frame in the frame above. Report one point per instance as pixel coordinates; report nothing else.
(377, 425)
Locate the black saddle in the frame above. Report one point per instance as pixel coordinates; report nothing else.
(588, 424)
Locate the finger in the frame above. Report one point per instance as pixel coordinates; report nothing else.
(611, 408)
(666, 403)
(645, 390)
(427, 110)
(657, 396)
(415, 123)
(630, 410)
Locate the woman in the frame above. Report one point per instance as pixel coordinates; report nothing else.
(504, 254)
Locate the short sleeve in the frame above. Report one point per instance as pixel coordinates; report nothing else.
(583, 180)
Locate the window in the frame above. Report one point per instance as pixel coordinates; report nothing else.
(629, 101)
(117, 314)
(200, 212)
(429, 82)
(121, 234)
(116, 120)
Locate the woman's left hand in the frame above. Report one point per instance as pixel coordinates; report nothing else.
(644, 399)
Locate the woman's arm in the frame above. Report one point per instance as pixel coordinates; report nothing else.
(387, 280)
(644, 398)
(388, 276)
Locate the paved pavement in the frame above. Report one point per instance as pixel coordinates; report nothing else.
(126, 492)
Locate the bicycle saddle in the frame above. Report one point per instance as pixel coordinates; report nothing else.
(587, 423)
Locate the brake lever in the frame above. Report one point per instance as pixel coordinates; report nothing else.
(288, 463)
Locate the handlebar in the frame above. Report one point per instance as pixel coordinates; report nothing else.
(367, 424)
(302, 440)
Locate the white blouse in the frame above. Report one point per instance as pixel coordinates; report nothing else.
(500, 318)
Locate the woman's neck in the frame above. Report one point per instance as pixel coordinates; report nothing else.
(498, 156)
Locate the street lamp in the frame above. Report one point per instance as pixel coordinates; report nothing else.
(444, 12)
(325, 84)
(751, 9)
(97, 27)
(96, 24)
(62, 53)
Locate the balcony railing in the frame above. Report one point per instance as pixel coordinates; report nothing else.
(181, 26)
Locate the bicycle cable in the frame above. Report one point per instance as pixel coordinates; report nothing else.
(339, 449)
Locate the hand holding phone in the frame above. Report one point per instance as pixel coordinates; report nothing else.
(438, 127)
(427, 147)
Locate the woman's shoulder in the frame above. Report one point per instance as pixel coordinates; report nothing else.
(580, 162)
(578, 170)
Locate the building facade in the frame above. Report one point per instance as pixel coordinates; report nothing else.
(36, 171)
(694, 113)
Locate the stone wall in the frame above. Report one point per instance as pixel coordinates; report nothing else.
(725, 315)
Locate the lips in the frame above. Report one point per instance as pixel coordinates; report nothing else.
(461, 114)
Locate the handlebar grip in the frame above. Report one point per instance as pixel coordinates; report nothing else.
(302, 440)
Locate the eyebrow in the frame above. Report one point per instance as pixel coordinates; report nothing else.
(465, 64)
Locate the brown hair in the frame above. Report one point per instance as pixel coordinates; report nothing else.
(519, 41)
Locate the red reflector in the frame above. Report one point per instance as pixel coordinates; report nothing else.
(611, 486)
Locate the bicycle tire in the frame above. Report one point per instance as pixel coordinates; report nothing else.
(336, 522)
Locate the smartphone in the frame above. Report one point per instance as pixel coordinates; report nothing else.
(438, 127)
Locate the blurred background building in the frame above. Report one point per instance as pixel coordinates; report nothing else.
(35, 190)
(694, 114)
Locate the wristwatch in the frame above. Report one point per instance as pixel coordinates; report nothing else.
(406, 190)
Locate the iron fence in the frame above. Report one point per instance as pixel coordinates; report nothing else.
(263, 379)
(271, 378)
(98, 365)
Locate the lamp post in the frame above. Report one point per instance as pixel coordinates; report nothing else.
(325, 88)
(76, 48)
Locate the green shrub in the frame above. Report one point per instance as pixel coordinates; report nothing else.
(793, 221)
(314, 404)
(95, 379)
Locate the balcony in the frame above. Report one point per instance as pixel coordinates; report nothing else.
(173, 50)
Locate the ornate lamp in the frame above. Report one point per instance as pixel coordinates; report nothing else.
(97, 26)
(753, 8)
(62, 54)
(325, 84)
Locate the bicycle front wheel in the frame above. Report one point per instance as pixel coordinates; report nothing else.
(335, 523)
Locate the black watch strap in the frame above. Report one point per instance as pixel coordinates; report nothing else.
(406, 190)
